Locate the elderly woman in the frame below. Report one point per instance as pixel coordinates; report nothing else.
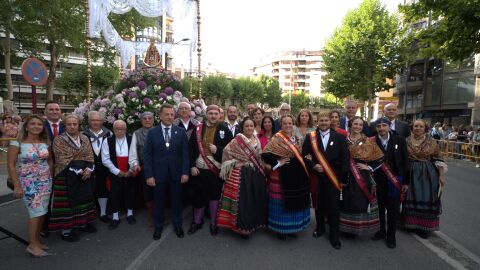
(422, 207)
(267, 130)
(73, 201)
(304, 124)
(29, 166)
(243, 206)
(289, 192)
(359, 211)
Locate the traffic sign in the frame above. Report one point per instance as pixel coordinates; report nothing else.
(34, 71)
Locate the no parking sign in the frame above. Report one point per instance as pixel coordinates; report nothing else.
(35, 73)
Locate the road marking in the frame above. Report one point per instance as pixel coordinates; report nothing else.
(142, 257)
(458, 246)
(440, 253)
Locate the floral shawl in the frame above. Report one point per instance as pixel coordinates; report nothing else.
(278, 147)
(422, 149)
(234, 155)
(364, 149)
(65, 151)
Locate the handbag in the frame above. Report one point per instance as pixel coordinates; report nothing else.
(10, 183)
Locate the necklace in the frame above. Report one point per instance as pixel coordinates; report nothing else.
(121, 143)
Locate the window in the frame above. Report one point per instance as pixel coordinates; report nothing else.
(459, 90)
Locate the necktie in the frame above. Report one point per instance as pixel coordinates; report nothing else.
(167, 137)
(55, 130)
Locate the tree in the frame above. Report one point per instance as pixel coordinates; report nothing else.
(216, 89)
(454, 33)
(7, 15)
(74, 82)
(246, 90)
(298, 101)
(272, 94)
(363, 52)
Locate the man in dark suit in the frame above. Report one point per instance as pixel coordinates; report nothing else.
(389, 189)
(185, 120)
(165, 157)
(206, 150)
(398, 127)
(54, 126)
(231, 123)
(324, 149)
(351, 108)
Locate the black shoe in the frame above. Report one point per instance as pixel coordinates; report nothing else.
(70, 237)
(179, 232)
(44, 233)
(89, 228)
(213, 229)
(422, 234)
(379, 235)
(105, 219)
(194, 228)
(336, 244)
(282, 236)
(318, 232)
(157, 234)
(131, 220)
(114, 224)
(391, 241)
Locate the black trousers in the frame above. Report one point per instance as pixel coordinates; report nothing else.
(204, 187)
(101, 175)
(175, 188)
(328, 205)
(122, 189)
(392, 205)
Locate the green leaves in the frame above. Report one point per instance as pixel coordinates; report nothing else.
(363, 52)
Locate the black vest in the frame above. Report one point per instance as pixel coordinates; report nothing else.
(112, 149)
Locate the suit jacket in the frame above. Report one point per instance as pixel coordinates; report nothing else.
(61, 129)
(337, 153)
(222, 137)
(401, 128)
(191, 125)
(276, 125)
(237, 128)
(160, 160)
(366, 129)
(396, 156)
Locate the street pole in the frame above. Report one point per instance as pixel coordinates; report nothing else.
(199, 51)
(89, 53)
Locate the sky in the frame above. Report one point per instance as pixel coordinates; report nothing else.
(236, 35)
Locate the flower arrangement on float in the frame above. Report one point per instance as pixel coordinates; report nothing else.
(138, 91)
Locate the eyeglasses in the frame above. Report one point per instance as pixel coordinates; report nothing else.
(183, 109)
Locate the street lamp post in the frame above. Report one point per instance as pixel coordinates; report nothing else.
(199, 51)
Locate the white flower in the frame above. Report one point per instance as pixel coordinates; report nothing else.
(144, 92)
(135, 88)
(121, 116)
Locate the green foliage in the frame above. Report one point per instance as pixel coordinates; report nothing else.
(272, 94)
(190, 87)
(216, 89)
(246, 90)
(298, 101)
(74, 82)
(363, 52)
(454, 33)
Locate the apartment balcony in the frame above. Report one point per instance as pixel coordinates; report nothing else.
(414, 83)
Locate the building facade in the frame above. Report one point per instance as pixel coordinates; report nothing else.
(295, 71)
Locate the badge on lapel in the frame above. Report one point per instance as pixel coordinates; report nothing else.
(396, 146)
(222, 134)
(331, 143)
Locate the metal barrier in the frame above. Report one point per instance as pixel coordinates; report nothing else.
(459, 150)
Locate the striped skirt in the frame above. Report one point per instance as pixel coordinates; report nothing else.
(422, 206)
(281, 220)
(64, 217)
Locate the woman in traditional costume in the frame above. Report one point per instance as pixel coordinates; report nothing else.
(243, 206)
(422, 207)
(73, 200)
(289, 192)
(359, 209)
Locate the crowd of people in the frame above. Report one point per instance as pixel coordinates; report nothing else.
(245, 171)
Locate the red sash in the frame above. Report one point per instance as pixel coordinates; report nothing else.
(323, 162)
(360, 181)
(210, 165)
(251, 156)
(295, 150)
(391, 176)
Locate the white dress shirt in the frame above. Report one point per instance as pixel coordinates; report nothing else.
(98, 145)
(232, 127)
(325, 137)
(392, 125)
(384, 141)
(121, 148)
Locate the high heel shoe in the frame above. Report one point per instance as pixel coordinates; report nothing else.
(40, 255)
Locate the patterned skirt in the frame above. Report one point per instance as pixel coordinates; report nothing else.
(281, 220)
(243, 206)
(64, 217)
(358, 215)
(422, 207)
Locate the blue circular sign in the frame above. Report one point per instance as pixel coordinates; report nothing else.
(34, 71)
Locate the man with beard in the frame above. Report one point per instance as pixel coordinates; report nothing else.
(206, 149)
(232, 123)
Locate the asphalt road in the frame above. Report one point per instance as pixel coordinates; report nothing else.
(132, 247)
